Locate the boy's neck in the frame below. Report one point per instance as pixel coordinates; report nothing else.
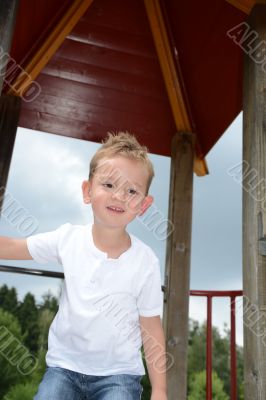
(114, 242)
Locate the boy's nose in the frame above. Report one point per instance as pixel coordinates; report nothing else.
(119, 194)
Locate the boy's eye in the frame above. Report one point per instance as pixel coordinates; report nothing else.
(132, 191)
(108, 185)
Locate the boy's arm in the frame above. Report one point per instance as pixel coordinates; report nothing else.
(14, 249)
(154, 348)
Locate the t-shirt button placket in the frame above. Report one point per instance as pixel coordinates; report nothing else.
(92, 283)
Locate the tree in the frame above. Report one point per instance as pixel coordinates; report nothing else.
(46, 317)
(198, 387)
(49, 302)
(47, 311)
(220, 358)
(8, 299)
(25, 335)
(22, 391)
(39, 371)
(3, 293)
(196, 348)
(12, 351)
(28, 318)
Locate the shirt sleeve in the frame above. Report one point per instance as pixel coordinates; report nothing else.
(43, 247)
(150, 298)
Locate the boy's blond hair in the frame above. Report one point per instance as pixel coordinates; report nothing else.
(126, 145)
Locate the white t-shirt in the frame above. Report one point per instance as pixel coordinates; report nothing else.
(96, 330)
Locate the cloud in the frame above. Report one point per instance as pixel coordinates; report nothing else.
(217, 218)
(46, 175)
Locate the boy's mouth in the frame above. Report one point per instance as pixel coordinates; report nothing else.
(115, 209)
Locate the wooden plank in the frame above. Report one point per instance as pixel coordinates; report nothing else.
(129, 16)
(178, 262)
(113, 59)
(9, 114)
(94, 75)
(173, 83)
(91, 112)
(61, 126)
(254, 212)
(7, 21)
(91, 129)
(47, 50)
(65, 90)
(114, 39)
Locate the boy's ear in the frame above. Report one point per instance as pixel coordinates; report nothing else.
(86, 191)
(147, 202)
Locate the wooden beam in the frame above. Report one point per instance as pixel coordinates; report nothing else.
(50, 46)
(7, 21)
(171, 78)
(177, 272)
(254, 213)
(244, 5)
(200, 166)
(9, 115)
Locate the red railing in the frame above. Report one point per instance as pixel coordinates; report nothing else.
(209, 294)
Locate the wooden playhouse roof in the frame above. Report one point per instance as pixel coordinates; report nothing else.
(106, 74)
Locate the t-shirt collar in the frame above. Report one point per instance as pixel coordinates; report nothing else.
(101, 254)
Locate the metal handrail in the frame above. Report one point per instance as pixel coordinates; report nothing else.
(31, 271)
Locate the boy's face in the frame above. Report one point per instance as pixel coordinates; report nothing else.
(117, 191)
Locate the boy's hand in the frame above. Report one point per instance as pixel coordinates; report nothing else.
(158, 395)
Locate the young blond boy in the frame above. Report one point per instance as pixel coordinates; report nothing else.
(111, 298)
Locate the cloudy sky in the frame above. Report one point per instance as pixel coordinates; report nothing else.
(45, 181)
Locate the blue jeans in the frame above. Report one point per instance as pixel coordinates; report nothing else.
(63, 384)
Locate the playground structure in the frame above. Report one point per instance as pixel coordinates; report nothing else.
(172, 72)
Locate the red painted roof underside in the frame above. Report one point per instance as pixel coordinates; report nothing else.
(106, 75)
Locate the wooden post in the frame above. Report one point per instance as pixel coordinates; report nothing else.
(178, 263)
(254, 208)
(9, 115)
(9, 106)
(8, 11)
